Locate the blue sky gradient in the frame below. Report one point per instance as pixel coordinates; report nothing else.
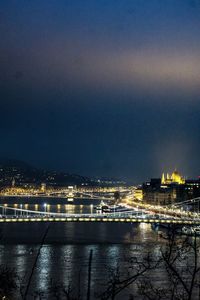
(101, 88)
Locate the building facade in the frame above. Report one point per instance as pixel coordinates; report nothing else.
(170, 189)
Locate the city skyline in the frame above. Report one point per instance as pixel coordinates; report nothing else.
(99, 153)
(101, 88)
(22, 172)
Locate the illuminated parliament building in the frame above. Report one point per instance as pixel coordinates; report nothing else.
(170, 188)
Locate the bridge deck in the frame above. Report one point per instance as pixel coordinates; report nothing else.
(100, 219)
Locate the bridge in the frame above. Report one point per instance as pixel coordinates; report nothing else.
(165, 216)
(63, 195)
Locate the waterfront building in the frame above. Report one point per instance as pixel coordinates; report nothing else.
(138, 194)
(43, 187)
(175, 177)
(170, 189)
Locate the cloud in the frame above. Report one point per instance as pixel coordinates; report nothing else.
(148, 71)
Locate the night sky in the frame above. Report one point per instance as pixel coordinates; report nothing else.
(101, 88)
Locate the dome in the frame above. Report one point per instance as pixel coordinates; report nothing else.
(176, 173)
(175, 177)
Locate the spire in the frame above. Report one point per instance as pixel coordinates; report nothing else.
(13, 182)
(163, 178)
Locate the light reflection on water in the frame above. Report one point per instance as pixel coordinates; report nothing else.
(67, 247)
(43, 269)
(51, 205)
(66, 252)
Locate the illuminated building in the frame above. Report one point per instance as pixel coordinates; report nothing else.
(170, 188)
(175, 177)
(43, 187)
(13, 182)
(138, 194)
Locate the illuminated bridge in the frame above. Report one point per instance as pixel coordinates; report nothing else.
(65, 194)
(13, 215)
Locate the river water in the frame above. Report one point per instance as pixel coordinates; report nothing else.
(64, 257)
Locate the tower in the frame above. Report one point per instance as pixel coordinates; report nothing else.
(13, 182)
(43, 187)
(163, 178)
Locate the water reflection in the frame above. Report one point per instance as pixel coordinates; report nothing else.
(43, 269)
(50, 205)
(145, 229)
(64, 257)
(19, 256)
(68, 263)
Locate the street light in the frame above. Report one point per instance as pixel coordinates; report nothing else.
(45, 207)
(91, 208)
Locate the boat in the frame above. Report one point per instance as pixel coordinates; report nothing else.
(191, 230)
(102, 207)
(70, 199)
